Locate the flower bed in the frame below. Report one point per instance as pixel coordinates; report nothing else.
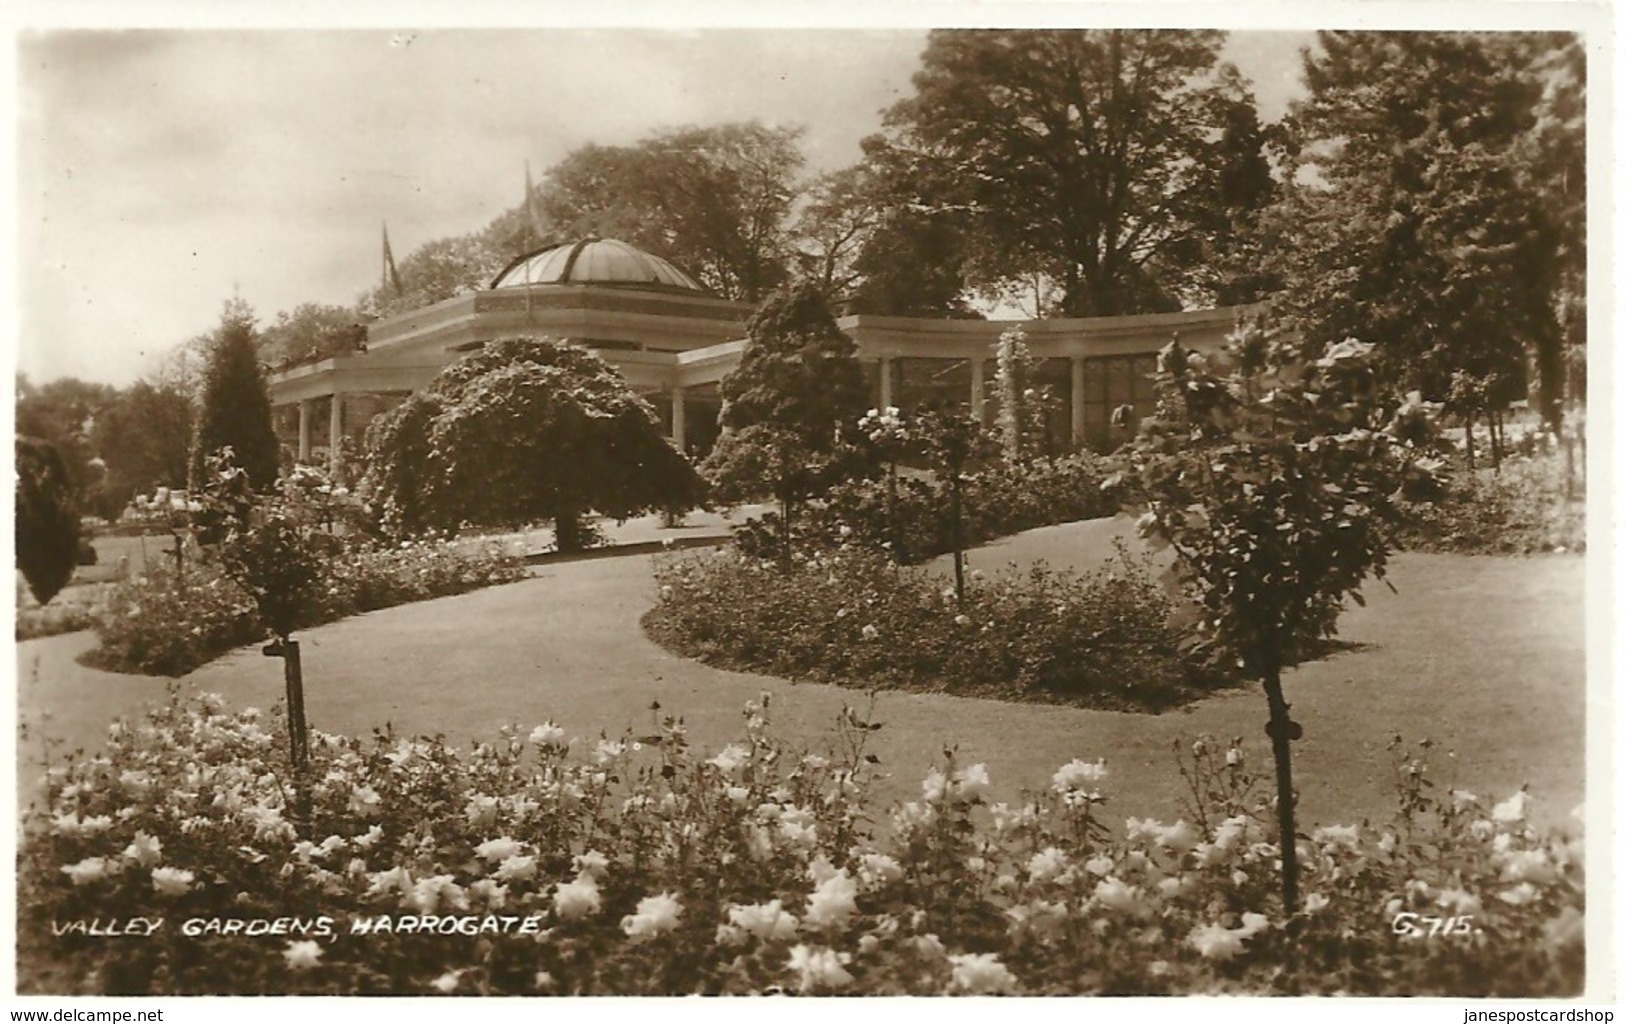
(167, 622)
(68, 612)
(537, 865)
(1519, 510)
(1104, 639)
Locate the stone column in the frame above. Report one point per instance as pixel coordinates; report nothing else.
(977, 385)
(1077, 400)
(679, 419)
(306, 414)
(885, 383)
(335, 432)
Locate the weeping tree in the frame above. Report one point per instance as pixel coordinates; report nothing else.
(1271, 474)
(521, 430)
(271, 543)
(47, 523)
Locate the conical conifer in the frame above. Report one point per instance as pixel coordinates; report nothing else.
(236, 405)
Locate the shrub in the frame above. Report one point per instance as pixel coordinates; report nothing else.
(47, 527)
(166, 622)
(385, 576)
(1101, 639)
(542, 865)
(1008, 499)
(1521, 509)
(169, 623)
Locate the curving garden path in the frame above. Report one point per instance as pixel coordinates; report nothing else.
(1485, 656)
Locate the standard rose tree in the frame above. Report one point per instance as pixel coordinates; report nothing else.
(1272, 476)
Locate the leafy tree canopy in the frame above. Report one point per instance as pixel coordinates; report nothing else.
(438, 270)
(310, 331)
(866, 241)
(713, 200)
(144, 437)
(64, 412)
(1092, 158)
(1414, 221)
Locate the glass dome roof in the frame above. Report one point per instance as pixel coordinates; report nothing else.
(603, 261)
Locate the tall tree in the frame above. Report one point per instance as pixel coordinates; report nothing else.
(1409, 223)
(236, 409)
(438, 270)
(310, 331)
(602, 190)
(715, 201)
(842, 211)
(181, 369)
(1245, 187)
(1087, 157)
(63, 413)
(906, 258)
(145, 440)
(1555, 165)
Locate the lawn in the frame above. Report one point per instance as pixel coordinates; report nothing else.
(1484, 656)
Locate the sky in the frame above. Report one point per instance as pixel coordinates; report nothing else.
(161, 172)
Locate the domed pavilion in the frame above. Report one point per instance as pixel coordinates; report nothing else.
(674, 342)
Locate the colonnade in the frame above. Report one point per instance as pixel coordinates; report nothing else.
(335, 429)
(978, 391)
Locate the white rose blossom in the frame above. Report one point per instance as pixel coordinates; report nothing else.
(171, 881)
(833, 902)
(980, 974)
(575, 900)
(91, 869)
(145, 850)
(819, 967)
(655, 915)
(498, 850)
(303, 955)
(766, 921)
(548, 734)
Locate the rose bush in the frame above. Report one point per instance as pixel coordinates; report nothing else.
(1104, 639)
(907, 518)
(537, 864)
